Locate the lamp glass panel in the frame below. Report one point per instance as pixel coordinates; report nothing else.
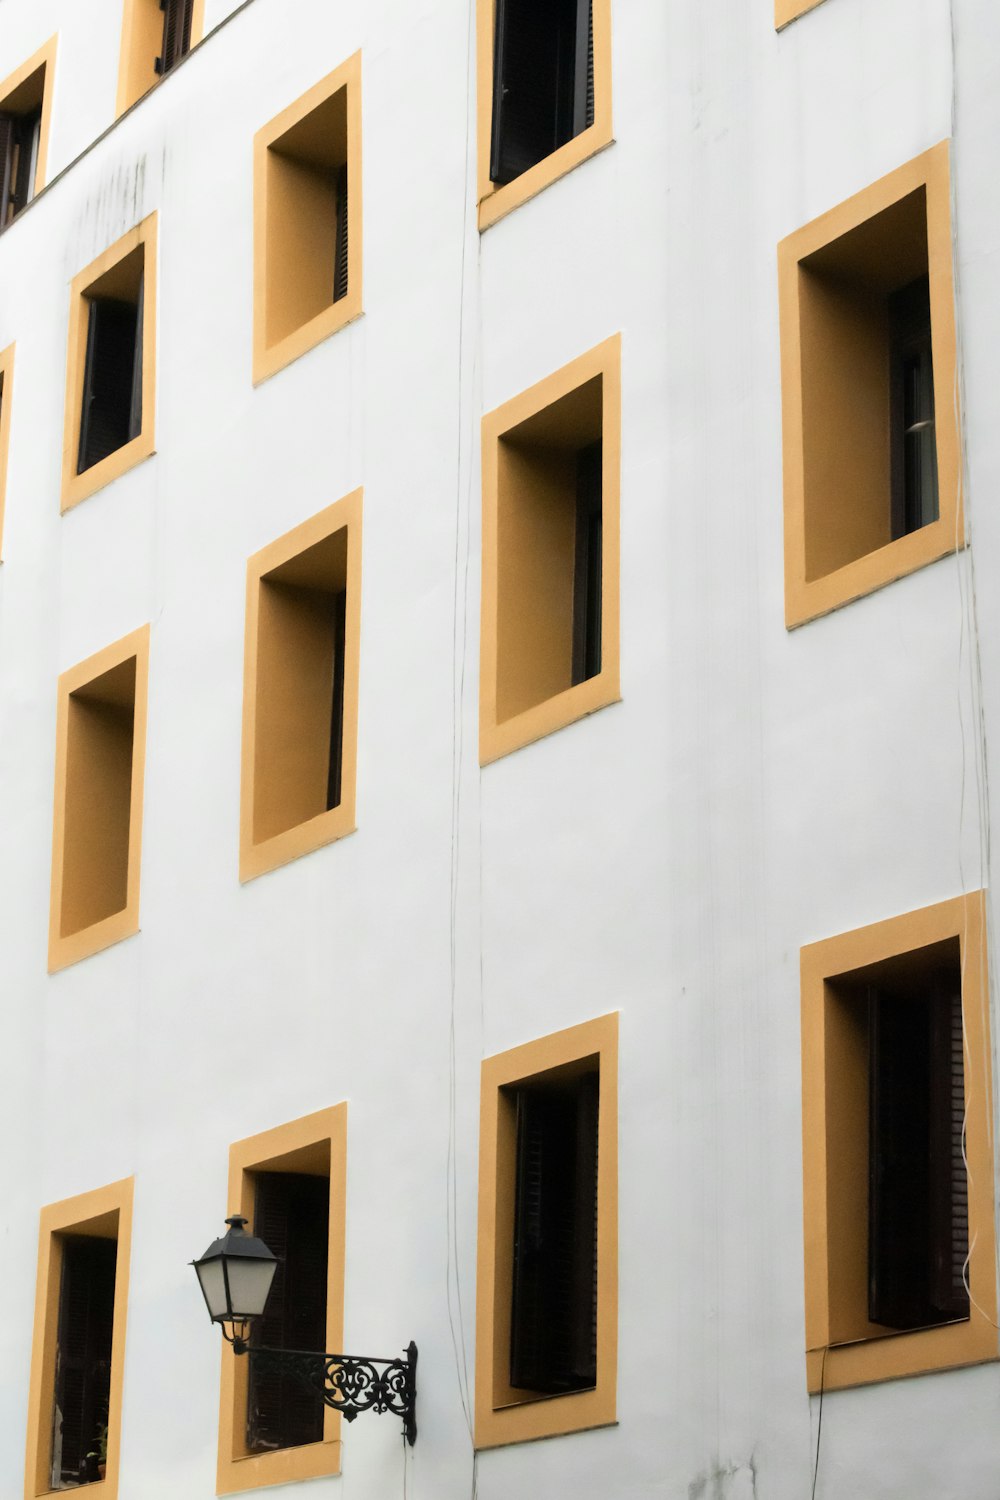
(249, 1283)
(213, 1286)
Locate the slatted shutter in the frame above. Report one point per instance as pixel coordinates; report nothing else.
(27, 130)
(334, 777)
(554, 1294)
(176, 33)
(6, 164)
(109, 373)
(587, 572)
(912, 423)
(340, 257)
(918, 1190)
(542, 62)
(135, 402)
(291, 1216)
(83, 1355)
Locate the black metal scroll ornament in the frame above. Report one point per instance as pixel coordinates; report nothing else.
(351, 1383)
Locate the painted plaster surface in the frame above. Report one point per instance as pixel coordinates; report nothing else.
(666, 857)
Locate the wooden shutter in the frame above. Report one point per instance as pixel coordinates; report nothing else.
(340, 255)
(6, 154)
(918, 1188)
(291, 1216)
(83, 1354)
(583, 71)
(26, 132)
(539, 81)
(176, 33)
(587, 572)
(334, 776)
(135, 402)
(106, 412)
(554, 1300)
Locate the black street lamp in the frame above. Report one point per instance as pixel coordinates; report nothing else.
(235, 1274)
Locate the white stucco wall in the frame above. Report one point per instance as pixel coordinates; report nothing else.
(755, 790)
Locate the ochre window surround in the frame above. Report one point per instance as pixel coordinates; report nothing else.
(107, 1214)
(316, 1144)
(790, 10)
(21, 91)
(97, 822)
(129, 263)
(842, 1348)
(496, 201)
(303, 213)
(503, 1414)
(141, 44)
(6, 397)
(836, 277)
(300, 689)
(528, 684)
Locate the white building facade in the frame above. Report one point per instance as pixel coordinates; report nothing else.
(653, 814)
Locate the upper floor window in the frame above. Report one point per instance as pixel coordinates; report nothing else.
(156, 34)
(545, 94)
(25, 109)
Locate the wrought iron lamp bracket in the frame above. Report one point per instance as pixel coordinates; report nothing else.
(349, 1383)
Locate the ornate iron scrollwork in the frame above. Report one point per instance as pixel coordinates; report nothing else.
(352, 1383)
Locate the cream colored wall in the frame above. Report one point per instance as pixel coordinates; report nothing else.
(667, 857)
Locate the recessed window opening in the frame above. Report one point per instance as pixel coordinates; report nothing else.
(177, 16)
(83, 1358)
(20, 137)
(553, 1336)
(307, 219)
(901, 1022)
(549, 544)
(292, 1217)
(869, 439)
(99, 751)
(543, 81)
(111, 411)
(300, 687)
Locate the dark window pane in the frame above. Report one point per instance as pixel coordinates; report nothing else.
(83, 1358)
(587, 574)
(914, 442)
(111, 406)
(542, 81)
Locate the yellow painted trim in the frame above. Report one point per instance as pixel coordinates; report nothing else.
(268, 359)
(237, 1469)
(517, 1420)
(495, 202)
(74, 1215)
(965, 1343)
(141, 40)
(257, 858)
(122, 924)
(6, 397)
(76, 487)
(45, 58)
(805, 599)
(498, 739)
(790, 10)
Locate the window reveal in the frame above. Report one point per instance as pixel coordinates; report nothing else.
(19, 139)
(111, 414)
(543, 81)
(176, 33)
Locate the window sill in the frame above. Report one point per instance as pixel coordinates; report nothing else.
(251, 1471)
(496, 202)
(497, 740)
(64, 951)
(271, 854)
(77, 487)
(268, 360)
(806, 600)
(786, 11)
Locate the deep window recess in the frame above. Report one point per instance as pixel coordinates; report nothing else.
(111, 412)
(918, 1235)
(543, 81)
(19, 138)
(587, 574)
(176, 33)
(914, 441)
(83, 1360)
(553, 1346)
(292, 1216)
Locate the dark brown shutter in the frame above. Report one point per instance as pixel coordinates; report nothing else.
(583, 72)
(176, 33)
(340, 255)
(27, 131)
(539, 81)
(106, 414)
(334, 776)
(918, 1189)
(6, 163)
(291, 1216)
(554, 1294)
(135, 402)
(83, 1354)
(587, 572)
